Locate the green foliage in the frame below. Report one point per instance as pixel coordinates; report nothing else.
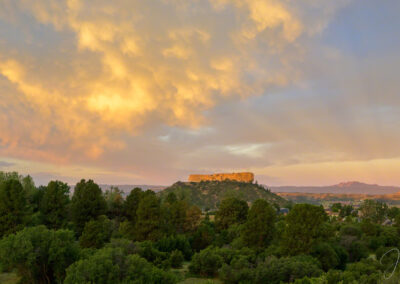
(259, 228)
(176, 258)
(231, 211)
(172, 243)
(203, 237)
(110, 265)
(304, 222)
(54, 205)
(115, 202)
(374, 210)
(209, 194)
(148, 226)
(39, 255)
(336, 207)
(87, 203)
(326, 255)
(14, 210)
(206, 263)
(96, 233)
(240, 270)
(346, 211)
(132, 204)
(357, 251)
(286, 269)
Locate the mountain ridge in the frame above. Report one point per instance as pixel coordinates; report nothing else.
(350, 187)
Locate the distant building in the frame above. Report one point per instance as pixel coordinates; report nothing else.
(242, 177)
(284, 211)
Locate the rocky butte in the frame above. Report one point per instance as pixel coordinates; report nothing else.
(242, 177)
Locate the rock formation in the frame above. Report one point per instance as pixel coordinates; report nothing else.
(242, 177)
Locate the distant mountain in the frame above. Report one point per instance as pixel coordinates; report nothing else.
(208, 194)
(352, 187)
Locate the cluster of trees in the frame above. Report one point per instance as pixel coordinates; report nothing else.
(49, 235)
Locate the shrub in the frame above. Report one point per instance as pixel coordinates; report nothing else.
(206, 262)
(109, 265)
(176, 259)
(39, 255)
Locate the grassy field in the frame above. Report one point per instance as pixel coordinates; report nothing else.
(8, 278)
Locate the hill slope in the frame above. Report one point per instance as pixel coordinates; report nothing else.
(208, 194)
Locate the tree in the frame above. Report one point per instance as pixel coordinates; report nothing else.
(54, 205)
(39, 255)
(231, 211)
(175, 213)
(336, 207)
(192, 220)
(303, 225)
(148, 218)
(326, 255)
(14, 208)
(206, 263)
(286, 269)
(87, 203)
(132, 204)
(203, 237)
(115, 202)
(345, 211)
(376, 211)
(259, 227)
(176, 259)
(112, 265)
(393, 212)
(96, 233)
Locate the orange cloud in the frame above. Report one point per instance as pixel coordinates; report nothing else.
(129, 64)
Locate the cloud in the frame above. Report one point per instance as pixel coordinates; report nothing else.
(130, 64)
(4, 164)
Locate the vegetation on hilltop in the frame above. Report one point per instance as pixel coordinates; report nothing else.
(209, 194)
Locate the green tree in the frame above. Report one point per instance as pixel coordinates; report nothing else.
(206, 263)
(112, 265)
(132, 204)
(286, 269)
(258, 230)
(393, 212)
(231, 211)
(326, 255)
(87, 203)
(54, 205)
(14, 210)
(192, 220)
(175, 215)
(303, 225)
(176, 258)
(148, 218)
(345, 211)
(96, 233)
(336, 207)
(376, 211)
(203, 237)
(39, 255)
(115, 202)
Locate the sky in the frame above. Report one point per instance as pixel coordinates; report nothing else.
(299, 92)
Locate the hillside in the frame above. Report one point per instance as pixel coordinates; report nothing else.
(208, 194)
(352, 187)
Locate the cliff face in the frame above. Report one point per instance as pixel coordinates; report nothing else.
(242, 177)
